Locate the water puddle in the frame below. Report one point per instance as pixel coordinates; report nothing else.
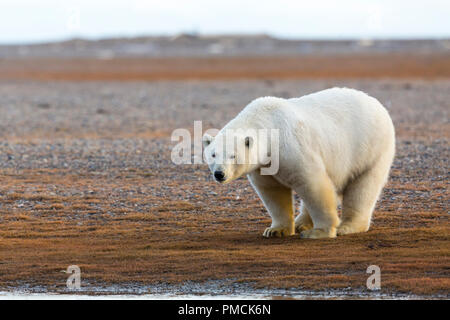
(212, 290)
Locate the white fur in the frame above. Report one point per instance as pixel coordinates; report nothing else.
(335, 145)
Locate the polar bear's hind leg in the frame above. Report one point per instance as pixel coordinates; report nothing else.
(303, 220)
(360, 197)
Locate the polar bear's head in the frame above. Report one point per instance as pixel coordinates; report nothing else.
(229, 155)
(234, 153)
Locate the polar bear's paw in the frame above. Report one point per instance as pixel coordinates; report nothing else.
(318, 233)
(277, 232)
(303, 227)
(344, 229)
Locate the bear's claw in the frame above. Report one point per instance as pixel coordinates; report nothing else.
(276, 232)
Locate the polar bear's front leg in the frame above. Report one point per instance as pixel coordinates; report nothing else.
(278, 201)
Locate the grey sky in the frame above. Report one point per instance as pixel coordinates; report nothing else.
(34, 21)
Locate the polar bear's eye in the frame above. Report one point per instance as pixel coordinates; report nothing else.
(213, 155)
(232, 156)
(248, 141)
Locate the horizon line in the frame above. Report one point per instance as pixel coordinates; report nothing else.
(218, 35)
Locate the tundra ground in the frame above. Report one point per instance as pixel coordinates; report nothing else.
(86, 179)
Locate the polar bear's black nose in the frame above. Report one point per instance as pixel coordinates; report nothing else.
(219, 175)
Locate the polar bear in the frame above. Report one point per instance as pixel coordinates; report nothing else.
(336, 146)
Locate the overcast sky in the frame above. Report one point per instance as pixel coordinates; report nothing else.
(23, 21)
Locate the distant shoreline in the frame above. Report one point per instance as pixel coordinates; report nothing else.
(188, 45)
(138, 37)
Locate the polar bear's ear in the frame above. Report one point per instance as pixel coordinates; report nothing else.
(207, 139)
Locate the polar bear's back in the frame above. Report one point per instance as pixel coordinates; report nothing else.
(348, 127)
(345, 110)
(351, 102)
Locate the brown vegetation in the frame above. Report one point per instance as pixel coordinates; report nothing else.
(211, 237)
(144, 69)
